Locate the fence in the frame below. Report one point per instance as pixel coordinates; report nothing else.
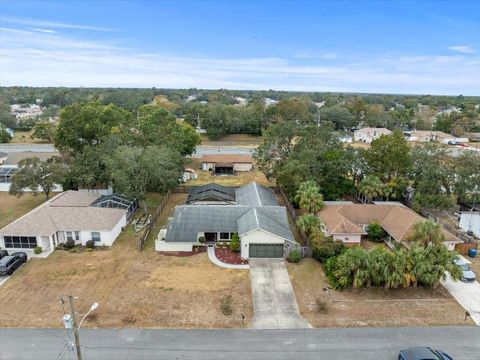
(463, 248)
(306, 250)
(153, 219)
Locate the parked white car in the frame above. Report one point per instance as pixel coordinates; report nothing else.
(468, 274)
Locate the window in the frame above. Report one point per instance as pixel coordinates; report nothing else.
(72, 235)
(96, 236)
(20, 242)
(224, 236)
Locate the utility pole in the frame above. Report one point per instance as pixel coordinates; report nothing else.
(318, 118)
(74, 327)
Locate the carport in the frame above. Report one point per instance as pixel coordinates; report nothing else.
(223, 169)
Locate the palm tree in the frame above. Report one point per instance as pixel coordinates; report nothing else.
(378, 260)
(352, 268)
(309, 224)
(371, 187)
(309, 198)
(427, 233)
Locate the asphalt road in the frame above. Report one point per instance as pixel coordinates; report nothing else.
(201, 150)
(463, 343)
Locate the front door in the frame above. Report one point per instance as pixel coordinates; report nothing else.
(210, 237)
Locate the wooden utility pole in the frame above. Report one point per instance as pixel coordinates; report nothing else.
(75, 329)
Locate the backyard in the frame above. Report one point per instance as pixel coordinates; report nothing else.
(133, 289)
(370, 307)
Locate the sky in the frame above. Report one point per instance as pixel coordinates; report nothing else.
(405, 47)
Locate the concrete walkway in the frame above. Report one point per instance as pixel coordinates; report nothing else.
(274, 303)
(467, 295)
(213, 258)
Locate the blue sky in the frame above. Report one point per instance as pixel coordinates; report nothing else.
(414, 47)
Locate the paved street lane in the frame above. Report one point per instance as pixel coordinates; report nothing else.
(463, 343)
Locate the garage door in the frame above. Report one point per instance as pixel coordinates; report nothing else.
(266, 250)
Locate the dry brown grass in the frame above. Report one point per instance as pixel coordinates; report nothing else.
(133, 289)
(12, 207)
(24, 137)
(371, 307)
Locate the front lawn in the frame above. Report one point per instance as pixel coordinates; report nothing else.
(370, 307)
(133, 289)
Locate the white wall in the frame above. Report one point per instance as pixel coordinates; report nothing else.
(242, 167)
(348, 238)
(257, 237)
(43, 241)
(470, 218)
(173, 246)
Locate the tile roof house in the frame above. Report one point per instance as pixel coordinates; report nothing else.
(347, 221)
(215, 213)
(74, 215)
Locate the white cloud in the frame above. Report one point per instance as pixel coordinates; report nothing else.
(44, 59)
(46, 31)
(464, 49)
(49, 24)
(315, 55)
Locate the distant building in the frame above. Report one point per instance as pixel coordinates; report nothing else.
(269, 102)
(227, 164)
(367, 135)
(23, 112)
(436, 136)
(470, 219)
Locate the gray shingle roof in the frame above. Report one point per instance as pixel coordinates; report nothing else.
(254, 194)
(189, 220)
(256, 208)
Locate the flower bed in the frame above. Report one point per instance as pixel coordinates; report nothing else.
(229, 257)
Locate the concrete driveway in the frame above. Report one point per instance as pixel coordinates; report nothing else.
(274, 303)
(467, 295)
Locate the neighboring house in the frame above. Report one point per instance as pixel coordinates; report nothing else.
(215, 213)
(367, 135)
(71, 215)
(100, 189)
(473, 136)
(436, 136)
(470, 219)
(347, 222)
(227, 164)
(22, 112)
(10, 167)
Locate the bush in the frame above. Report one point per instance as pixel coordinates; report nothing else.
(90, 244)
(37, 250)
(294, 256)
(235, 243)
(226, 305)
(375, 232)
(61, 246)
(322, 250)
(202, 240)
(70, 244)
(322, 304)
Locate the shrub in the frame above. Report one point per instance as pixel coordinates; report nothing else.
(202, 240)
(226, 305)
(294, 256)
(235, 243)
(37, 250)
(322, 250)
(322, 304)
(70, 244)
(90, 244)
(74, 250)
(375, 232)
(61, 246)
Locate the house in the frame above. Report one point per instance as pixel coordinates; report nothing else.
(215, 213)
(347, 222)
(367, 135)
(470, 219)
(9, 166)
(436, 136)
(227, 164)
(71, 215)
(473, 136)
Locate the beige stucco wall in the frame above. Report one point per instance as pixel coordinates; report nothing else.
(242, 167)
